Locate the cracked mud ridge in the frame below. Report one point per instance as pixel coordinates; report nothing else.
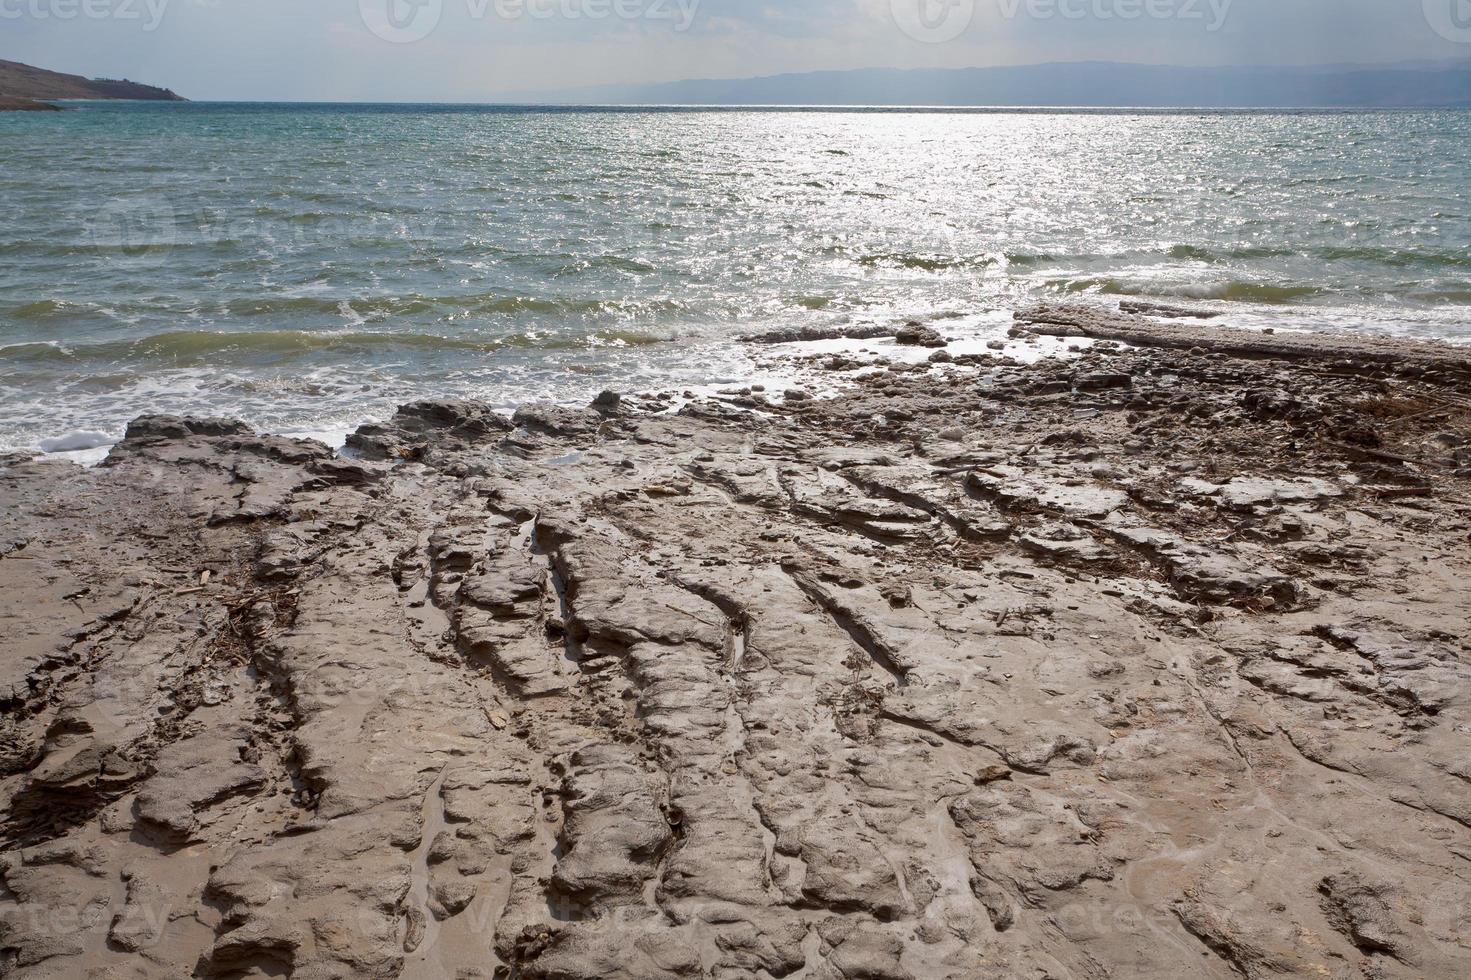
(1151, 662)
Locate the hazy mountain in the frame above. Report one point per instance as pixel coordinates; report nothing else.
(21, 85)
(1072, 84)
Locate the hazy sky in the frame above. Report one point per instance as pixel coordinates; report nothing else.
(476, 50)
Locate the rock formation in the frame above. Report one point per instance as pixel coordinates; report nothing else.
(1166, 678)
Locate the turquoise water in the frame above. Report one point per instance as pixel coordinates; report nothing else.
(308, 267)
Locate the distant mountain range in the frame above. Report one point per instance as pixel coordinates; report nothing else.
(1094, 84)
(1084, 84)
(26, 87)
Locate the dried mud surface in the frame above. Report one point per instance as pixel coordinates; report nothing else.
(1148, 663)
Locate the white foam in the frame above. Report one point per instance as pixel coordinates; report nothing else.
(81, 457)
(76, 441)
(334, 438)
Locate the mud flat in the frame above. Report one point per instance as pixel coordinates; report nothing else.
(1150, 661)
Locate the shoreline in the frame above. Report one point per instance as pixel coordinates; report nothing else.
(1145, 661)
(12, 103)
(785, 357)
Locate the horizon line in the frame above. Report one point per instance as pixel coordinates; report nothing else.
(927, 107)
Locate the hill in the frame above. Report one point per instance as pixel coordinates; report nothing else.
(1091, 84)
(25, 86)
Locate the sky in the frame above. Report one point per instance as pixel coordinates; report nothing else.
(482, 50)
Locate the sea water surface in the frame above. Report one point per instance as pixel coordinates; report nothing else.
(308, 267)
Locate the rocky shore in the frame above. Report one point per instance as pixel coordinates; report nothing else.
(1145, 661)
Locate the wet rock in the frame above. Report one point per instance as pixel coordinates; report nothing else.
(806, 334)
(1142, 308)
(176, 427)
(557, 422)
(417, 427)
(919, 335)
(1102, 381)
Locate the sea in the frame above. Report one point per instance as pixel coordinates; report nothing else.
(308, 268)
